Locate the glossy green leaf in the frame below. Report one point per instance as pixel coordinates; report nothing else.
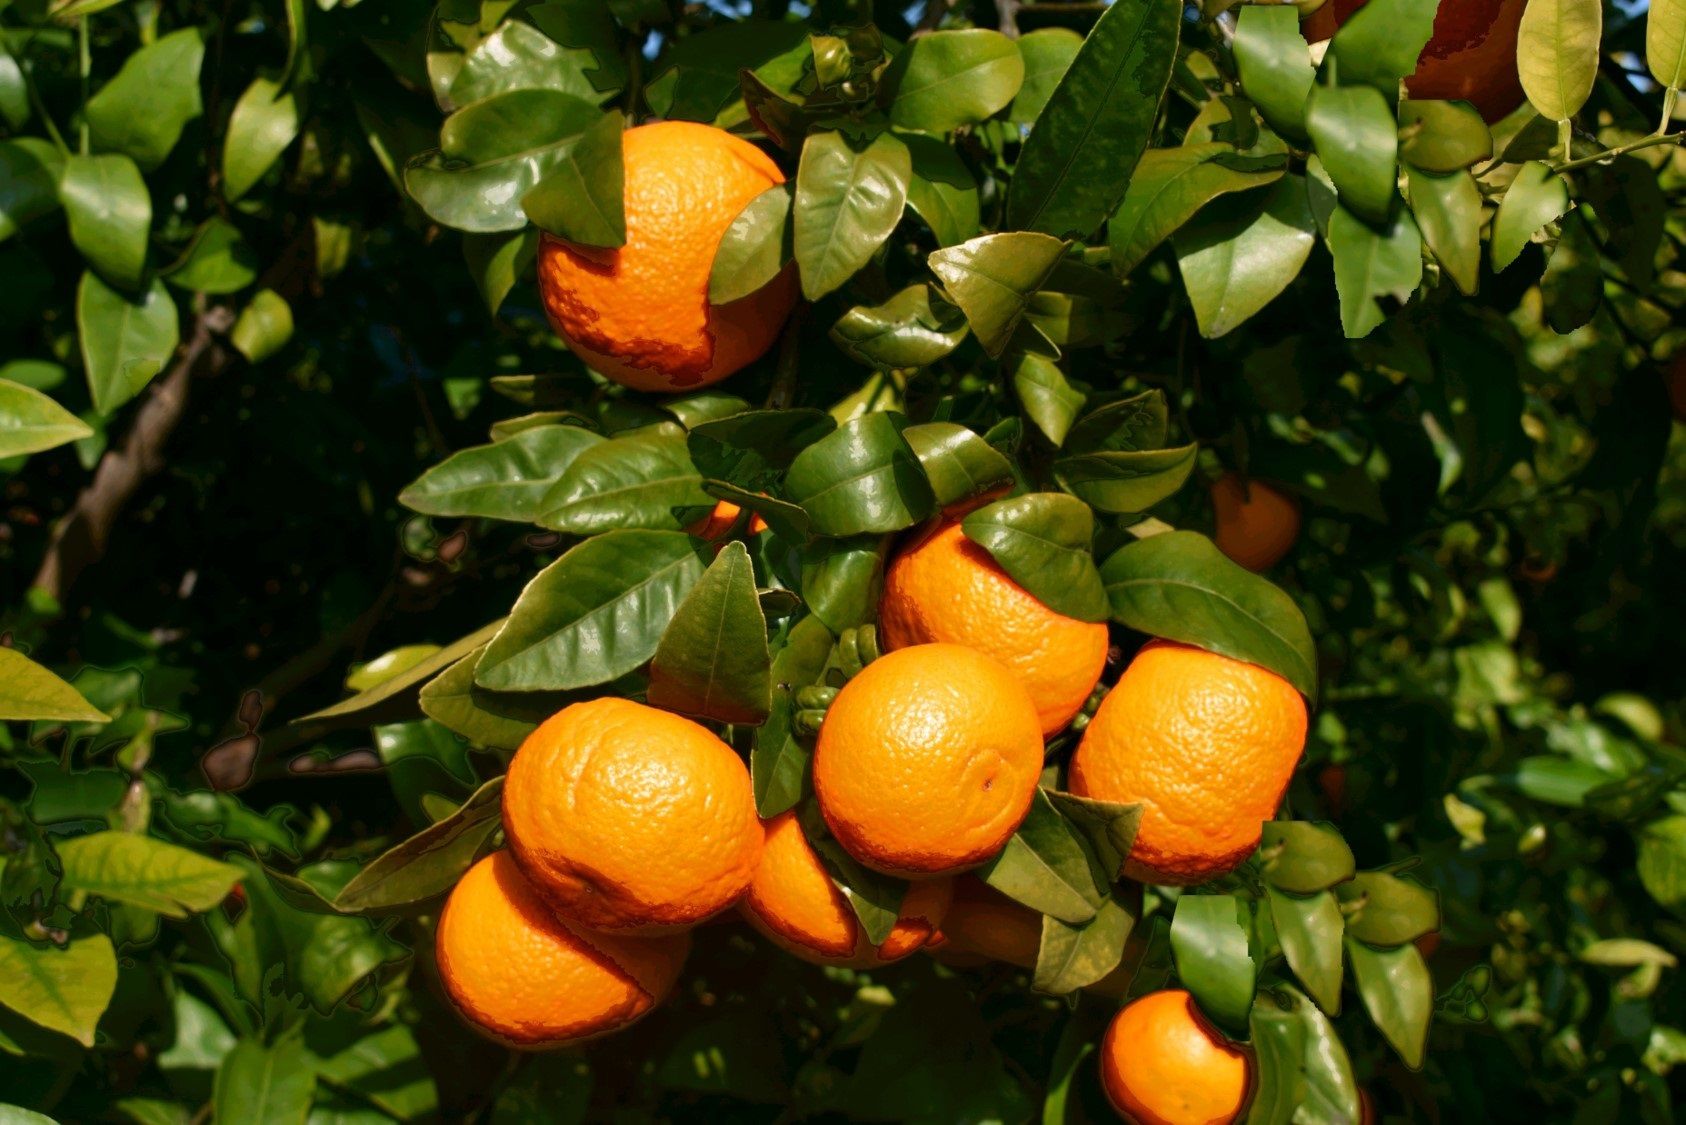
(1170, 185)
(1210, 946)
(272, 1084)
(848, 200)
(428, 864)
(508, 480)
(1440, 136)
(1448, 212)
(1357, 140)
(497, 261)
(1302, 1073)
(778, 762)
(1073, 957)
(713, 661)
(752, 448)
(110, 214)
(1275, 65)
(640, 479)
(594, 614)
(31, 422)
(1043, 540)
(1047, 865)
(1535, 197)
(756, 246)
(1125, 482)
(497, 719)
(1662, 860)
(1109, 826)
(1049, 400)
(142, 871)
(1379, 44)
(1303, 858)
(218, 261)
(29, 182)
(1179, 586)
(1384, 909)
(264, 122)
(62, 989)
(1047, 54)
(1077, 161)
(841, 580)
(263, 327)
(947, 79)
(1137, 423)
(1372, 265)
(697, 74)
(124, 342)
(864, 477)
(1398, 993)
(395, 696)
(1665, 42)
(518, 56)
(1310, 929)
(992, 277)
(942, 190)
(1239, 255)
(902, 332)
(959, 464)
(143, 109)
(384, 1066)
(1557, 54)
(578, 197)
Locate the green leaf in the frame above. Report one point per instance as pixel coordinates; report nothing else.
(218, 261)
(1573, 285)
(64, 990)
(1179, 586)
(1557, 53)
(579, 197)
(1442, 136)
(1073, 957)
(713, 661)
(942, 190)
(903, 332)
(1398, 993)
(1125, 481)
(1109, 826)
(1047, 54)
(1357, 140)
(264, 122)
(1240, 254)
(1137, 423)
(947, 79)
(1048, 399)
(841, 580)
(640, 479)
(1275, 65)
(876, 899)
(1303, 858)
(1302, 1073)
(1384, 909)
(991, 279)
(29, 182)
(1535, 197)
(594, 614)
(1210, 946)
(124, 342)
(506, 480)
(501, 720)
(1047, 866)
(778, 762)
(394, 697)
(1379, 44)
(145, 872)
(697, 74)
(1170, 185)
(518, 56)
(273, 1084)
(751, 449)
(1662, 860)
(31, 422)
(959, 464)
(1043, 540)
(497, 261)
(145, 106)
(110, 213)
(1448, 212)
(1373, 264)
(428, 864)
(848, 200)
(755, 248)
(385, 1066)
(264, 326)
(1665, 42)
(1310, 930)
(1077, 161)
(864, 477)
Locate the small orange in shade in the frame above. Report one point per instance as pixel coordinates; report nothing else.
(640, 314)
(795, 903)
(927, 761)
(1207, 744)
(631, 819)
(945, 588)
(985, 925)
(1255, 524)
(717, 523)
(1163, 1063)
(526, 978)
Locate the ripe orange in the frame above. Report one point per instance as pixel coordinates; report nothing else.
(1254, 524)
(945, 588)
(529, 979)
(927, 761)
(795, 903)
(640, 314)
(1162, 1063)
(1206, 743)
(718, 522)
(630, 819)
(983, 924)
(1470, 57)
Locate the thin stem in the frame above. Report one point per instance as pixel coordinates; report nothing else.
(634, 72)
(85, 65)
(1669, 96)
(1622, 150)
(1565, 138)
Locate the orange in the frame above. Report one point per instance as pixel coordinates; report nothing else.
(717, 523)
(1163, 1063)
(640, 314)
(928, 760)
(795, 903)
(1255, 524)
(1206, 744)
(945, 588)
(631, 819)
(1470, 57)
(983, 924)
(529, 979)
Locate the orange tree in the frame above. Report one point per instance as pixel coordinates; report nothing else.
(1275, 415)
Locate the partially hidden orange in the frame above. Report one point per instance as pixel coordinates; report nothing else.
(640, 314)
(984, 925)
(1206, 743)
(944, 588)
(795, 903)
(718, 522)
(927, 760)
(1254, 523)
(527, 978)
(1163, 1063)
(631, 819)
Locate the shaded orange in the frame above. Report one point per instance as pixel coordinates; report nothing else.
(523, 976)
(631, 819)
(985, 925)
(640, 314)
(1163, 1063)
(1206, 743)
(717, 523)
(1254, 524)
(796, 905)
(928, 760)
(945, 588)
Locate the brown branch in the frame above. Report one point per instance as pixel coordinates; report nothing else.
(81, 536)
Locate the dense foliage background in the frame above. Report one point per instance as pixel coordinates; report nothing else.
(248, 301)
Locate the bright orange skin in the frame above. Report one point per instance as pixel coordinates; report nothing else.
(640, 314)
(528, 979)
(1162, 1063)
(797, 906)
(945, 588)
(718, 522)
(927, 761)
(629, 819)
(1254, 524)
(1206, 743)
(1470, 57)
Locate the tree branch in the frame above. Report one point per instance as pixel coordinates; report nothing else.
(81, 536)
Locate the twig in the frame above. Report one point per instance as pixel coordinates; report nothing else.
(932, 18)
(1651, 141)
(80, 538)
(1009, 10)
